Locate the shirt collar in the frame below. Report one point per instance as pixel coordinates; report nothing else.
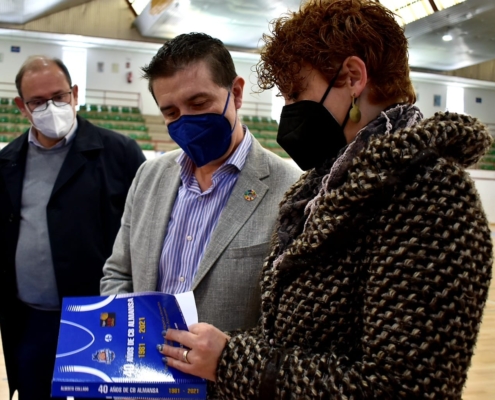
(236, 159)
(64, 142)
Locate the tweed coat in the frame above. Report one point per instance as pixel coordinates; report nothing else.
(381, 294)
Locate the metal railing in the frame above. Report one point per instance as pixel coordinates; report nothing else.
(93, 96)
(8, 90)
(255, 108)
(113, 98)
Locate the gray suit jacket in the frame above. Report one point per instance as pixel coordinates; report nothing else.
(226, 286)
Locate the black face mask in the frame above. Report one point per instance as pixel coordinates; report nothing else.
(309, 133)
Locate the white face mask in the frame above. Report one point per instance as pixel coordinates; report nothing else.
(54, 122)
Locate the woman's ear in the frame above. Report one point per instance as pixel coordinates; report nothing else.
(357, 76)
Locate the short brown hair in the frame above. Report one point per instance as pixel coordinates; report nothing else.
(323, 33)
(189, 48)
(35, 63)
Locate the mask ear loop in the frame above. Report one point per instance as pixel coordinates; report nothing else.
(346, 117)
(226, 104)
(331, 85)
(225, 110)
(328, 91)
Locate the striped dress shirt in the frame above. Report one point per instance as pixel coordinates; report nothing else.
(194, 217)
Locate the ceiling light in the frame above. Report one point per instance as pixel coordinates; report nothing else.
(447, 37)
(157, 6)
(443, 4)
(138, 5)
(411, 10)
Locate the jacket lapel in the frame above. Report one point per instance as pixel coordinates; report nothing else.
(86, 140)
(13, 166)
(237, 210)
(163, 203)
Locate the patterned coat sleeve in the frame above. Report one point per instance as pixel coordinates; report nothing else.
(425, 275)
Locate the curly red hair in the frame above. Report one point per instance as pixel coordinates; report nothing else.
(323, 33)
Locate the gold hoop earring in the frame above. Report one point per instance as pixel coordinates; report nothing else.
(355, 112)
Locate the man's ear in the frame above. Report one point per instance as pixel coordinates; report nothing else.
(75, 91)
(22, 107)
(237, 91)
(357, 75)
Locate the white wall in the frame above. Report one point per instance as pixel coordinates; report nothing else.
(428, 85)
(11, 62)
(111, 79)
(244, 65)
(115, 69)
(425, 93)
(485, 184)
(139, 54)
(485, 110)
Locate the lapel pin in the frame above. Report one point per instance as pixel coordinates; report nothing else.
(250, 195)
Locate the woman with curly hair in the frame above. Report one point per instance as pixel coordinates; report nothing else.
(381, 260)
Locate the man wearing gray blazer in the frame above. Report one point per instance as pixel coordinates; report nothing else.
(200, 218)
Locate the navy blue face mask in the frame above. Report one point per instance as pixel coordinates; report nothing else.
(203, 137)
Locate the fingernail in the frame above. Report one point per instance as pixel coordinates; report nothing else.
(164, 359)
(159, 347)
(164, 332)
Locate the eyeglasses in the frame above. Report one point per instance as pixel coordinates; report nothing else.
(58, 100)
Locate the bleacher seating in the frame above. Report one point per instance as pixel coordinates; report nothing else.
(126, 120)
(488, 160)
(150, 131)
(265, 130)
(12, 123)
(129, 121)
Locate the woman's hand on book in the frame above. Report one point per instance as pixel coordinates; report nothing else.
(203, 345)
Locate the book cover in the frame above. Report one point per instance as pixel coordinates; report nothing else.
(107, 348)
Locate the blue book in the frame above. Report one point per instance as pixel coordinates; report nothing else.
(107, 348)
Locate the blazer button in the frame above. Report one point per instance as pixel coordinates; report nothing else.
(11, 218)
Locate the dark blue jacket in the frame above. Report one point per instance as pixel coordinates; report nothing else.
(83, 213)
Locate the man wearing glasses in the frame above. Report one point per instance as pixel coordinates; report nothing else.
(63, 185)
